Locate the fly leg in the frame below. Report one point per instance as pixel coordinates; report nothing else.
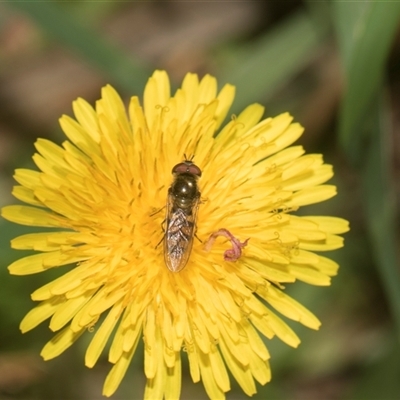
(162, 224)
(157, 211)
(195, 235)
(163, 229)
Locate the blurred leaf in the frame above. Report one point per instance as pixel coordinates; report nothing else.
(380, 380)
(380, 204)
(124, 72)
(365, 32)
(320, 13)
(91, 12)
(259, 69)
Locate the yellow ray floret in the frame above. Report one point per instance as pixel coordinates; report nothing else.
(101, 196)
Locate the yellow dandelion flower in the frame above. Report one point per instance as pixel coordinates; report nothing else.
(105, 191)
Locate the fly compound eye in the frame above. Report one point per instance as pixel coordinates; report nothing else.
(187, 167)
(194, 170)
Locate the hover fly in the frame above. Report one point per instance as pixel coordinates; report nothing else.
(182, 204)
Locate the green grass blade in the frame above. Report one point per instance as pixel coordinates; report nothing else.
(124, 72)
(264, 66)
(365, 32)
(380, 206)
(379, 379)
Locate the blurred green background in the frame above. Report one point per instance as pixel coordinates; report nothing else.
(334, 65)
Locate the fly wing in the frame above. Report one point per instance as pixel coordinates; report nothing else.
(178, 240)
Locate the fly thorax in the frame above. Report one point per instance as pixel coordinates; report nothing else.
(185, 186)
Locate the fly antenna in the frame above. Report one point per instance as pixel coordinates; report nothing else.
(188, 158)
